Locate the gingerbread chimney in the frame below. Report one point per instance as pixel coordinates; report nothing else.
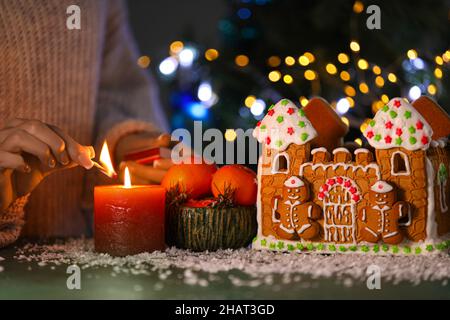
(329, 126)
(363, 156)
(320, 155)
(342, 155)
(438, 119)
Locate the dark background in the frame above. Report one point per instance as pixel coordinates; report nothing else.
(290, 28)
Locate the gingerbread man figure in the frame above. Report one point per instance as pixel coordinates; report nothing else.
(294, 214)
(380, 219)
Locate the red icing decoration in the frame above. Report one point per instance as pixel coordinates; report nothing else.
(419, 125)
(290, 111)
(339, 180)
(355, 197)
(321, 195)
(290, 131)
(325, 187)
(388, 139)
(388, 125)
(352, 190)
(380, 186)
(399, 131)
(331, 182)
(258, 123)
(270, 112)
(268, 140)
(424, 139)
(397, 103)
(347, 184)
(370, 134)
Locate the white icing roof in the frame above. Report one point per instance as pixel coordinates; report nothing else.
(398, 124)
(284, 124)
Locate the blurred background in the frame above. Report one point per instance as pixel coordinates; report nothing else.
(226, 61)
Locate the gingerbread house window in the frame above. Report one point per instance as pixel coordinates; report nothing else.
(400, 164)
(280, 163)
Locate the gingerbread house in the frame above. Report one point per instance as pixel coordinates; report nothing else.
(390, 197)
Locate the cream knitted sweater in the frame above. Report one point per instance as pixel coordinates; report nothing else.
(84, 81)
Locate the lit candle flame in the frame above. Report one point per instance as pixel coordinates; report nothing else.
(127, 178)
(105, 160)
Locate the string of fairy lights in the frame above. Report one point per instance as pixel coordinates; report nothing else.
(355, 73)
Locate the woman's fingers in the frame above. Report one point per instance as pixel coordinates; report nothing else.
(19, 140)
(164, 141)
(41, 131)
(13, 161)
(78, 153)
(143, 172)
(163, 164)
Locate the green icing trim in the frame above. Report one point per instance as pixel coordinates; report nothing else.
(398, 141)
(407, 250)
(342, 249)
(272, 245)
(412, 140)
(365, 248)
(321, 247)
(301, 113)
(412, 129)
(385, 108)
(254, 239)
(429, 248)
(263, 242)
(301, 124)
(280, 245)
(332, 247)
(377, 137)
(353, 248)
(372, 123)
(376, 248)
(300, 246)
(284, 102)
(418, 250)
(407, 114)
(310, 246)
(263, 127)
(271, 107)
(279, 143)
(280, 119)
(304, 136)
(394, 249)
(385, 247)
(290, 247)
(393, 114)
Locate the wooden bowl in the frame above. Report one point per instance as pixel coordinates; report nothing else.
(201, 229)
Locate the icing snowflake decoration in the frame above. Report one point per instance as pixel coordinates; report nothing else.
(284, 124)
(398, 124)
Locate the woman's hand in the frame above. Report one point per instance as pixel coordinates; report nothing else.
(29, 151)
(144, 174)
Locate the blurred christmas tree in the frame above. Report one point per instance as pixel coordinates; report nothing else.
(298, 49)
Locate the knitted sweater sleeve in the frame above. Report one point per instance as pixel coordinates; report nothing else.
(128, 99)
(11, 221)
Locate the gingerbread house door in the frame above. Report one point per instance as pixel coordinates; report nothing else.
(340, 196)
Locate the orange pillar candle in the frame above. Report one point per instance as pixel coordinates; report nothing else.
(129, 219)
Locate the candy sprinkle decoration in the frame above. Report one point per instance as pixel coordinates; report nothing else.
(285, 123)
(398, 124)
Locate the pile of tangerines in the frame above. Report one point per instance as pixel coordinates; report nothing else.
(205, 183)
